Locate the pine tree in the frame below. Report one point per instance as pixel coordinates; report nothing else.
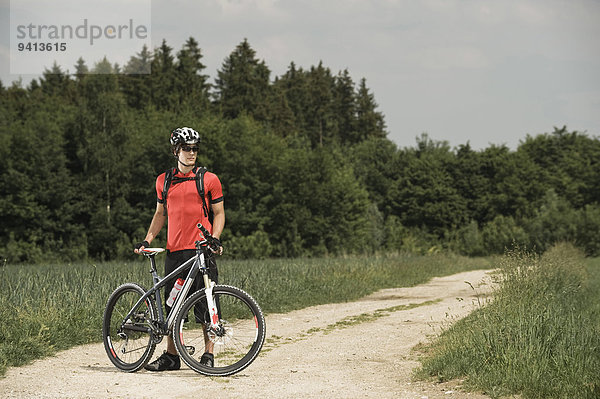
(294, 85)
(370, 123)
(81, 69)
(139, 64)
(242, 85)
(321, 122)
(191, 84)
(136, 81)
(163, 78)
(345, 107)
(281, 118)
(54, 81)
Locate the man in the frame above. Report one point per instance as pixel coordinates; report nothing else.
(183, 209)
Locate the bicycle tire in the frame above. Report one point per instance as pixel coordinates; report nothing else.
(128, 350)
(235, 346)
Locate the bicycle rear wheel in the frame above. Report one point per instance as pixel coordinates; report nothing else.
(128, 343)
(237, 341)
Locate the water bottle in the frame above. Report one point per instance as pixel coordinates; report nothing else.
(175, 292)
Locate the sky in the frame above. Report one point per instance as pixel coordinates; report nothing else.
(481, 72)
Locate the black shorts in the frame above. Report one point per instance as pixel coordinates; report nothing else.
(177, 258)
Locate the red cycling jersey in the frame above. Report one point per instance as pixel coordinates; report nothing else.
(184, 208)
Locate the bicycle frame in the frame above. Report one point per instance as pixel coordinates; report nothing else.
(198, 266)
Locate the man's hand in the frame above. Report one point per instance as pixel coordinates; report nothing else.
(216, 246)
(140, 245)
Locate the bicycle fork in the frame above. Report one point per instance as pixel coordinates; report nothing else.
(212, 308)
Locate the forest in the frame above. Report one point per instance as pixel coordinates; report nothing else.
(306, 166)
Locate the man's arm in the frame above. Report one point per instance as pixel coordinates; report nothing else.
(218, 210)
(158, 221)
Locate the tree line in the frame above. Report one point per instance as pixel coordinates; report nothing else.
(306, 166)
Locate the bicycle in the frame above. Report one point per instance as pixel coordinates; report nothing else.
(220, 319)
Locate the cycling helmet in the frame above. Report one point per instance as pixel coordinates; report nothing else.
(184, 135)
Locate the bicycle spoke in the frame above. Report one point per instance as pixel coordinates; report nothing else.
(237, 341)
(127, 348)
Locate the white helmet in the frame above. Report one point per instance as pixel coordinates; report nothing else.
(184, 135)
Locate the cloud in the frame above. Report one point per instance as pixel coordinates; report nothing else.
(248, 8)
(452, 57)
(535, 14)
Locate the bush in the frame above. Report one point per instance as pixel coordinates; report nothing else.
(588, 230)
(501, 234)
(254, 246)
(467, 240)
(555, 221)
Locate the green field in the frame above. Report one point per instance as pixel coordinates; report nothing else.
(47, 308)
(539, 336)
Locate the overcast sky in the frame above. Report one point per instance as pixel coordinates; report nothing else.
(478, 71)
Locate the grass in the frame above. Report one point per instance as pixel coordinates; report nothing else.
(538, 337)
(282, 285)
(47, 308)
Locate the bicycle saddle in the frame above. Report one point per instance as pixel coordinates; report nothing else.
(152, 251)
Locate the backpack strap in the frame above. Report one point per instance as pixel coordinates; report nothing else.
(168, 179)
(200, 171)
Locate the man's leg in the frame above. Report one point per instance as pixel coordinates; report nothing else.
(169, 360)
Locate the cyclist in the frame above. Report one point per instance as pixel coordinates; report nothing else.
(184, 210)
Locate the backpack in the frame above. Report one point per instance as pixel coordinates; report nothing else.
(170, 178)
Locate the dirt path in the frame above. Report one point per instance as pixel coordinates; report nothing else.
(306, 354)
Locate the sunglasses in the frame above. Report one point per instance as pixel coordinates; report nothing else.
(188, 148)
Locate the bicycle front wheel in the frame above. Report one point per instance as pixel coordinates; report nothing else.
(128, 342)
(234, 344)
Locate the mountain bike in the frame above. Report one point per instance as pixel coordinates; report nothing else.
(219, 319)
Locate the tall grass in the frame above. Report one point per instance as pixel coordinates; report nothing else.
(282, 285)
(48, 308)
(53, 307)
(538, 337)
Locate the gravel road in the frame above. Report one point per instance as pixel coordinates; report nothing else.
(359, 349)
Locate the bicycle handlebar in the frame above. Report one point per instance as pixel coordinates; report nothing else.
(213, 242)
(204, 231)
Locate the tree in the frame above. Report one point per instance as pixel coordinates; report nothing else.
(163, 78)
(81, 69)
(37, 193)
(140, 64)
(345, 108)
(370, 123)
(321, 125)
(568, 163)
(55, 82)
(424, 194)
(100, 155)
(294, 85)
(281, 118)
(242, 85)
(191, 84)
(375, 164)
(320, 206)
(136, 82)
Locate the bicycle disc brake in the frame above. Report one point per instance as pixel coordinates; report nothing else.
(222, 334)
